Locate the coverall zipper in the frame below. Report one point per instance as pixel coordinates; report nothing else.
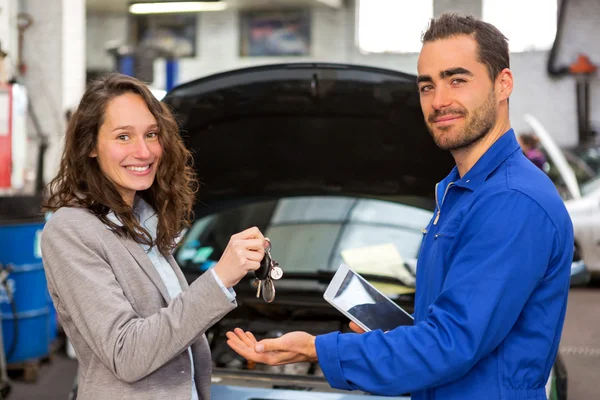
(437, 216)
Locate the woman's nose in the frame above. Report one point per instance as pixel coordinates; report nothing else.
(142, 150)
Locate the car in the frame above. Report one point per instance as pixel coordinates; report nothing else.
(589, 154)
(333, 162)
(579, 186)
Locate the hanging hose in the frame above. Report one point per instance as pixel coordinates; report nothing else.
(550, 67)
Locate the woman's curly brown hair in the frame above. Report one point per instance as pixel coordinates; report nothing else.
(81, 183)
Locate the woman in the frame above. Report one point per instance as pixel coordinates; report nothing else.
(123, 194)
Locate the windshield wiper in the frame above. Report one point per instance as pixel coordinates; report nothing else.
(325, 276)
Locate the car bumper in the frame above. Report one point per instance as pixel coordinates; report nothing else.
(249, 385)
(222, 392)
(580, 275)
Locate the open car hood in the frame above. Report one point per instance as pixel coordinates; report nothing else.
(308, 128)
(557, 156)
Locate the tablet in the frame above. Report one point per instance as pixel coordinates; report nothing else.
(358, 300)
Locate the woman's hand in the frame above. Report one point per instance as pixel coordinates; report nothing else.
(243, 253)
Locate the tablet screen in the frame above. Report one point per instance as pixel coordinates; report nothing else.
(358, 298)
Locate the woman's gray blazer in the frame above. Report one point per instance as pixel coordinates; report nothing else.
(131, 340)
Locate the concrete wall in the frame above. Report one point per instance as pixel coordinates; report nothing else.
(54, 52)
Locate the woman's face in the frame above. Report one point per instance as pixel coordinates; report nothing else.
(128, 150)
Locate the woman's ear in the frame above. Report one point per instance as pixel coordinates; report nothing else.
(93, 154)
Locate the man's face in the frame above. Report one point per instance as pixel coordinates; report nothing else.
(458, 99)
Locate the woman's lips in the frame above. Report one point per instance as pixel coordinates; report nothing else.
(139, 170)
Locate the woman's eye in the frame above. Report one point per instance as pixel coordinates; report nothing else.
(152, 134)
(123, 137)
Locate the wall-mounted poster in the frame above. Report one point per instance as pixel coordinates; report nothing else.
(275, 33)
(170, 33)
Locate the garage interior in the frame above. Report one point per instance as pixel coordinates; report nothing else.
(51, 50)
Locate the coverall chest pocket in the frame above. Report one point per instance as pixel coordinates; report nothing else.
(445, 238)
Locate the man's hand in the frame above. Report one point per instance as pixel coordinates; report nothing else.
(290, 348)
(355, 328)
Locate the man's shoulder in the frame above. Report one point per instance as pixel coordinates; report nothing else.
(522, 178)
(525, 177)
(524, 182)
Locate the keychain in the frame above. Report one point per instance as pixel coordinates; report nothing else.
(268, 272)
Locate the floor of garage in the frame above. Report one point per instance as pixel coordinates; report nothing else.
(580, 344)
(580, 347)
(54, 381)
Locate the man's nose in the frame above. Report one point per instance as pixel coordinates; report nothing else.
(441, 98)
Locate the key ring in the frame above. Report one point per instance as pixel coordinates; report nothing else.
(265, 275)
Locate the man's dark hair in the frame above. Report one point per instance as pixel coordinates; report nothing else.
(492, 45)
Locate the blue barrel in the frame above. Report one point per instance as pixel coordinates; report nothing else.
(171, 73)
(52, 322)
(126, 64)
(25, 322)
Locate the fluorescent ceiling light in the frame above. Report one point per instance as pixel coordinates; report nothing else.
(176, 7)
(331, 3)
(158, 93)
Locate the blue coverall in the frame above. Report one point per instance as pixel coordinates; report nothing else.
(492, 282)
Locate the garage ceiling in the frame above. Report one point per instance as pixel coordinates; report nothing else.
(120, 6)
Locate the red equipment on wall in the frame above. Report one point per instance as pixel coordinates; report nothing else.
(13, 137)
(5, 136)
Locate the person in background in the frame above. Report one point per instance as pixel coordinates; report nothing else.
(122, 196)
(494, 267)
(531, 148)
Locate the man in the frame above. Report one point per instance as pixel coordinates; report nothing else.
(493, 271)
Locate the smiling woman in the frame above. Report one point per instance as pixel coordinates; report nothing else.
(121, 199)
(128, 154)
(113, 145)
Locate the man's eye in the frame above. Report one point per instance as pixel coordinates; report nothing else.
(425, 88)
(458, 81)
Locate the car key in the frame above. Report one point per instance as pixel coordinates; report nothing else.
(257, 284)
(268, 271)
(269, 291)
(275, 273)
(263, 271)
(265, 265)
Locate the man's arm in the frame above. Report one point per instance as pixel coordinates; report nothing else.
(502, 258)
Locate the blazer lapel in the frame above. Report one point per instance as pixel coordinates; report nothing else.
(144, 261)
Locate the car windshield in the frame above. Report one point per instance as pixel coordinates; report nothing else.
(590, 186)
(586, 176)
(310, 234)
(590, 157)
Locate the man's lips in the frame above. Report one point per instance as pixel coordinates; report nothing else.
(447, 118)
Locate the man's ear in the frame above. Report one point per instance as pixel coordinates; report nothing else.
(504, 84)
